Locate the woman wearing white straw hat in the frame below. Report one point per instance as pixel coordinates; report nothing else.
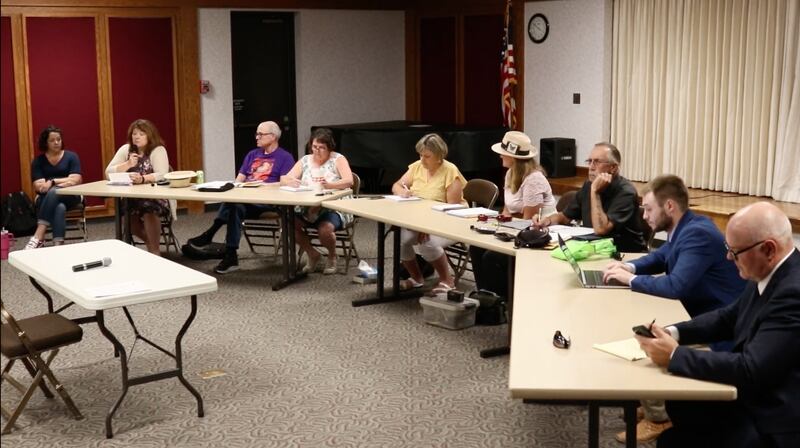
(525, 193)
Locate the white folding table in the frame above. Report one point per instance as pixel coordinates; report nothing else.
(155, 279)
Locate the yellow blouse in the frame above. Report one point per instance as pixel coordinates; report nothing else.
(435, 187)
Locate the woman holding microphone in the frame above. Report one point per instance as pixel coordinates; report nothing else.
(145, 159)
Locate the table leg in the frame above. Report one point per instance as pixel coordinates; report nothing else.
(506, 349)
(594, 425)
(123, 360)
(118, 218)
(396, 294)
(290, 274)
(179, 357)
(629, 410)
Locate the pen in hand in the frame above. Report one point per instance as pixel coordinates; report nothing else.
(650, 327)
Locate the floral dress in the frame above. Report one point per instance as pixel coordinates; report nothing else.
(331, 174)
(141, 206)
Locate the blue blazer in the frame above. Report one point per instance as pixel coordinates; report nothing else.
(697, 272)
(764, 364)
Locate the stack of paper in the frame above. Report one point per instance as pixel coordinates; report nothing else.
(296, 189)
(446, 207)
(473, 212)
(213, 184)
(625, 349)
(251, 184)
(400, 198)
(119, 179)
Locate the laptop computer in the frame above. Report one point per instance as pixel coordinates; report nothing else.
(588, 278)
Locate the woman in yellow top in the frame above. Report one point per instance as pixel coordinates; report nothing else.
(434, 178)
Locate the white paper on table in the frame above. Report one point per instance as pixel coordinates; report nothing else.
(446, 207)
(568, 231)
(472, 212)
(119, 179)
(212, 184)
(116, 289)
(296, 189)
(397, 198)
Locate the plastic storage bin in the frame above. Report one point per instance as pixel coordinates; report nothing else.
(451, 315)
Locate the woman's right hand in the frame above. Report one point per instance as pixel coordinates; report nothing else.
(133, 160)
(543, 222)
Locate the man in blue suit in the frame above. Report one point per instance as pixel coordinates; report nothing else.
(764, 363)
(695, 268)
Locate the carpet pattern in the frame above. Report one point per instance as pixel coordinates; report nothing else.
(303, 369)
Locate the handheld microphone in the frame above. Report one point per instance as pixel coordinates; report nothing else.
(91, 265)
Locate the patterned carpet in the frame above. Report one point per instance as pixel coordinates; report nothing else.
(303, 369)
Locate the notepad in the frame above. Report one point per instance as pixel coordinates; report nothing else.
(446, 207)
(251, 184)
(396, 198)
(570, 230)
(296, 189)
(473, 212)
(119, 179)
(212, 184)
(626, 349)
(519, 224)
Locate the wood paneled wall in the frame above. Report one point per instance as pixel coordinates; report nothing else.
(183, 14)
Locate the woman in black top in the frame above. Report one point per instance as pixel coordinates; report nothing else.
(54, 168)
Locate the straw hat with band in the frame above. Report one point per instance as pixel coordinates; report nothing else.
(517, 145)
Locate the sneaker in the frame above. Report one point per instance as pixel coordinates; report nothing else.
(330, 266)
(229, 263)
(646, 431)
(201, 241)
(34, 243)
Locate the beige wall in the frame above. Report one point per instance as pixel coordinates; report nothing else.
(575, 58)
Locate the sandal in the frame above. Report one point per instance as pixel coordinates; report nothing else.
(313, 265)
(442, 288)
(409, 283)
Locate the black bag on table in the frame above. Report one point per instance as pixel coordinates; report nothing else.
(19, 214)
(532, 238)
(492, 310)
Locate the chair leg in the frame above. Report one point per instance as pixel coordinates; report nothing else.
(32, 371)
(45, 366)
(23, 402)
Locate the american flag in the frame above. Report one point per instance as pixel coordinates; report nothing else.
(508, 74)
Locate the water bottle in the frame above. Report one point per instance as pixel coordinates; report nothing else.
(200, 177)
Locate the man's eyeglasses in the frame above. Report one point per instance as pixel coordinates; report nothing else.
(561, 341)
(735, 253)
(262, 134)
(591, 162)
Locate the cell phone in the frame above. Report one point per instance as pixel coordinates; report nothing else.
(642, 330)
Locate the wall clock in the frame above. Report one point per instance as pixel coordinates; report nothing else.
(538, 28)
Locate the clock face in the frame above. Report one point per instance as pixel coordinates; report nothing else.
(538, 28)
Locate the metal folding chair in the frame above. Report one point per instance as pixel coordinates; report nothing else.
(27, 340)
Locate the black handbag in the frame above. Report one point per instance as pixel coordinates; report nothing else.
(492, 309)
(532, 238)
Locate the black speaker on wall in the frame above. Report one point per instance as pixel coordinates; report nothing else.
(557, 156)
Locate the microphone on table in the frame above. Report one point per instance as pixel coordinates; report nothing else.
(91, 265)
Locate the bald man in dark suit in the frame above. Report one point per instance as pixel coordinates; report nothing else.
(764, 364)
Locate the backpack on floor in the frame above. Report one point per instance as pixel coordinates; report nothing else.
(19, 215)
(492, 309)
(213, 251)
